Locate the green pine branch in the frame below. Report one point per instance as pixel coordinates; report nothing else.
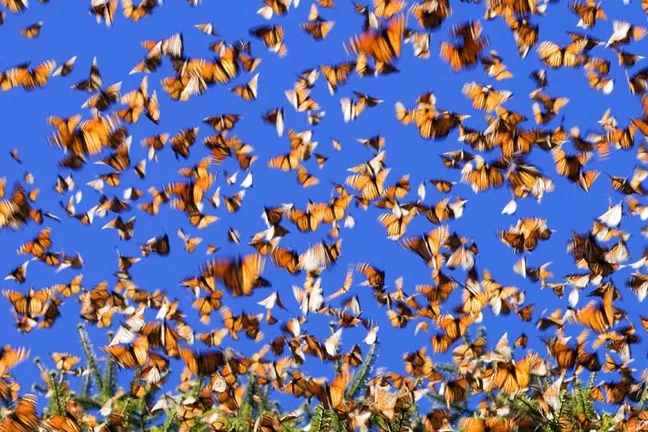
(91, 358)
(364, 374)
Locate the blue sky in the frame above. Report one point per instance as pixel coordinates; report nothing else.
(69, 30)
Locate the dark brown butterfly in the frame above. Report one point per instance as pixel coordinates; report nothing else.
(431, 14)
(159, 245)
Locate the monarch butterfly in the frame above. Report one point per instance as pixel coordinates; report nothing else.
(9, 357)
(481, 175)
(190, 243)
(331, 395)
(556, 57)
(382, 45)
(571, 166)
(419, 364)
(32, 31)
(104, 98)
(222, 122)
(104, 10)
(248, 323)
(316, 26)
(306, 221)
(154, 144)
(430, 15)
(130, 356)
(233, 236)
(494, 66)
(626, 59)
(275, 117)
(124, 229)
(64, 362)
(159, 245)
(23, 416)
(248, 63)
(233, 203)
(206, 305)
(397, 221)
(213, 338)
(183, 140)
(274, 7)
(136, 101)
(32, 305)
(28, 79)
(322, 255)
(466, 54)
(38, 245)
(305, 178)
(94, 81)
(15, 6)
(351, 109)
(272, 37)
(162, 334)
(286, 259)
(71, 288)
(207, 28)
(485, 98)
(337, 74)
(524, 236)
(285, 162)
(248, 91)
(625, 33)
(200, 220)
(420, 43)
(202, 363)
(525, 34)
(588, 12)
(66, 68)
(241, 276)
(153, 58)
(19, 274)
(551, 105)
(143, 9)
(300, 100)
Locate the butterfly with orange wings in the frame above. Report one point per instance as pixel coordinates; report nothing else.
(466, 53)
(384, 44)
